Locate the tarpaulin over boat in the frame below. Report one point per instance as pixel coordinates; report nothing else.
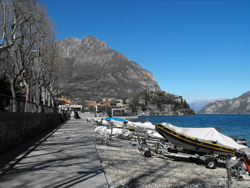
(146, 125)
(245, 151)
(206, 134)
(115, 131)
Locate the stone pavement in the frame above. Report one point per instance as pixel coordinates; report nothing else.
(59, 158)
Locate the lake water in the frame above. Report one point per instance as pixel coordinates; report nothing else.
(235, 126)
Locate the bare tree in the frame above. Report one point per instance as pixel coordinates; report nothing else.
(44, 60)
(28, 54)
(43, 34)
(13, 15)
(57, 72)
(24, 28)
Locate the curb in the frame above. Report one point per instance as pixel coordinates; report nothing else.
(106, 174)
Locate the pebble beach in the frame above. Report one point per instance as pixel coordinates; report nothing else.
(129, 168)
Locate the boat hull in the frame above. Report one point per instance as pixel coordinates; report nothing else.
(193, 144)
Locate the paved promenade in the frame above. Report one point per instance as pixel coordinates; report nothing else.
(60, 158)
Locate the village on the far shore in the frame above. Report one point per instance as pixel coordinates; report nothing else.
(154, 103)
(116, 106)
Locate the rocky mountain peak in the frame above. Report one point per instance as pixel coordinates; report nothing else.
(71, 46)
(95, 71)
(92, 42)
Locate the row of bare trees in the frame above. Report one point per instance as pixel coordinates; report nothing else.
(29, 58)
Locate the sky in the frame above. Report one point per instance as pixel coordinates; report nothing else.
(197, 49)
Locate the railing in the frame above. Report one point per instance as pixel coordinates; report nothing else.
(6, 105)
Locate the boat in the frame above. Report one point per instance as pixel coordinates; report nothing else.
(241, 141)
(98, 120)
(104, 131)
(116, 122)
(202, 141)
(146, 125)
(135, 126)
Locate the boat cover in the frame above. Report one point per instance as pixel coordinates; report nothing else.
(117, 123)
(102, 130)
(104, 122)
(154, 134)
(206, 134)
(246, 151)
(116, 131)
(146, 125)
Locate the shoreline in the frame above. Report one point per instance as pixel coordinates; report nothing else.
(127, 167)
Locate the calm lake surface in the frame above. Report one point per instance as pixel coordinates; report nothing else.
(235, 126)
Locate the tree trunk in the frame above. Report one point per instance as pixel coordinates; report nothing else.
(49, 99)
(38, 98)
(27, 104)
(44, 95)
(13, 92)
(52, 102)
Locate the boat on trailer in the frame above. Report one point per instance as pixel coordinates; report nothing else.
(199, 140)
(210, 145)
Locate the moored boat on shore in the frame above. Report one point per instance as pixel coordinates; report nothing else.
(199, 140)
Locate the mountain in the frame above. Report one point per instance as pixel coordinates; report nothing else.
(239, 105)
(95, 71)
(244, 95)
(199, 104)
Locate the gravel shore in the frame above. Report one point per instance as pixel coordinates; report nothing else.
(129, 168)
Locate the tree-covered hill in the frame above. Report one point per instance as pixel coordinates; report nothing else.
(160, 103)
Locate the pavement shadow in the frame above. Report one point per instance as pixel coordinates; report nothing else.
(9, 159)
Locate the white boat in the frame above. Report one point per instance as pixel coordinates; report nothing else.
(100, 121)
(154, 134)
(146, 125)
(199, 140)
(103, 130)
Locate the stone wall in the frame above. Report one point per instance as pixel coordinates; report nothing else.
(15, 128)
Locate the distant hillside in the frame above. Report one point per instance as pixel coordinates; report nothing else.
(239, 105)
(95, 71)
(199, 104)
(244, 95)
